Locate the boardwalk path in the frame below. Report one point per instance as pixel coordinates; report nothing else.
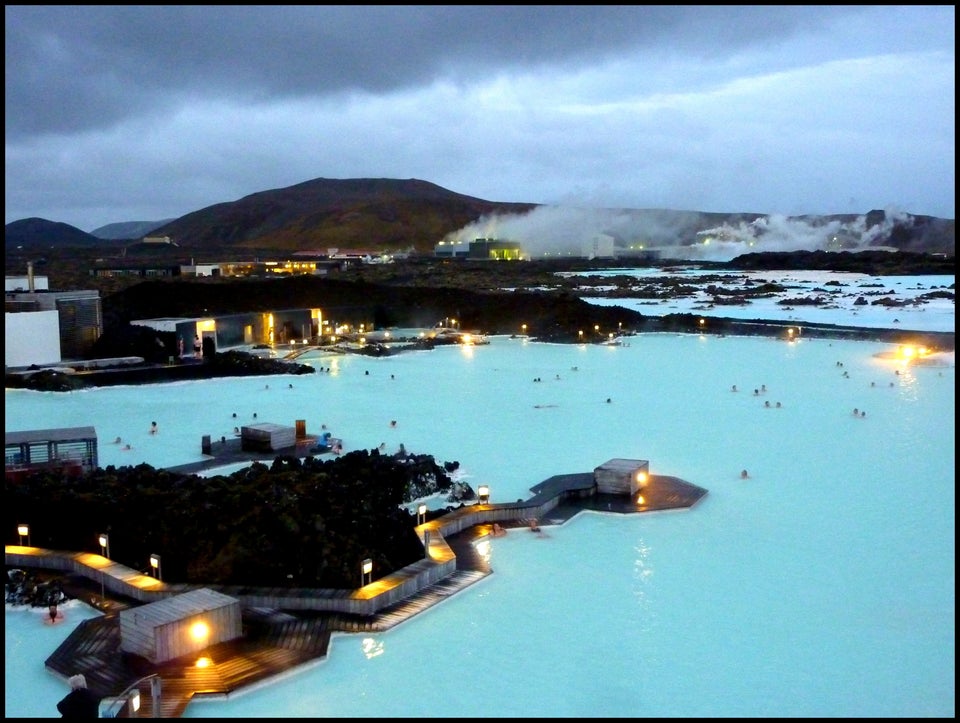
(277, 643)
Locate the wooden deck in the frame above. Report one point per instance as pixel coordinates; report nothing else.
(277, 643)
(230, 451)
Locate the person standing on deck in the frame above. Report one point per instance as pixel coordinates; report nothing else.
(80, 702)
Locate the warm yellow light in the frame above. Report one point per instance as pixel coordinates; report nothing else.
(596, 327)
(640, 500)
(641, 477)
(154, 561)
(466, 339)
(483, 490)
(702, 322)
(199, 630)
(103, 540)
(23, 530)
(203, 662)
(367, 566)
(422, 510)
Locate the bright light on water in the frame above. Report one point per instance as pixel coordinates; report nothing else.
(823, 585)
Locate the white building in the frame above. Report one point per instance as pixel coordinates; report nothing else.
(599, 247)
(31, 337)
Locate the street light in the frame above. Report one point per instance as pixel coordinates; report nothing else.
(483, 493)
(421, 514)
(23, 531)
(105, 551)
(366, 571)
(155, 564)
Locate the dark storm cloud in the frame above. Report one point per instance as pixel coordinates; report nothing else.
(145, 112)
(73, 68)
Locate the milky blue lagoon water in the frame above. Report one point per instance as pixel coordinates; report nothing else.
(824, 585)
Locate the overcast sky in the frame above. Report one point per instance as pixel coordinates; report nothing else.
(145, 113)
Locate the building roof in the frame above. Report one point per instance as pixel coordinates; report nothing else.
(60, 434)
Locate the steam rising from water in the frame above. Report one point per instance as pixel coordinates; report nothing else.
(552, 231)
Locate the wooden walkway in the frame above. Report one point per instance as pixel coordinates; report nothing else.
(276, 643)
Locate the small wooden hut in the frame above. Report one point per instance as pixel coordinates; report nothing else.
(180, 625)
(267, 437)
(621, 476)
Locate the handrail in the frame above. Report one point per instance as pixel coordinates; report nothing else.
(116, 704)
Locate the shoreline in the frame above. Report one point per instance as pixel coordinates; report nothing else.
(55, 378)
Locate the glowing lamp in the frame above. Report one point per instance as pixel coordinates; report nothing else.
(483, 493)
(155, 564)
(200, 630)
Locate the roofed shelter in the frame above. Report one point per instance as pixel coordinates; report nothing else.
(622, 476)
(72, 450)
(180, 625)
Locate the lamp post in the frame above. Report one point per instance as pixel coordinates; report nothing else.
(24, 531)
(421, 514)
(483, 493)
(155, 564)
(104, 541)
(366, 571)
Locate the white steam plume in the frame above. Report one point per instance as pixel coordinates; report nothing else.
(551, 231)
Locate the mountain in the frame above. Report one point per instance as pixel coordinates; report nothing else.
(128, 230)
(38, 233)
(322, 213)
(393, 214)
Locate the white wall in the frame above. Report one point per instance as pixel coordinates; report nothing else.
(22, 283)
(31, 337)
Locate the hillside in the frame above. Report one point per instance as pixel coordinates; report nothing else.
(128, 230)
(322, 213)
(413, 215)
(39, 233)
